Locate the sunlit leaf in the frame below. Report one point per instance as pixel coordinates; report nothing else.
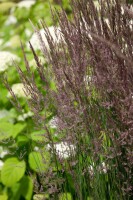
(38, 136)
(18, 128)
(38, 162)
(22, 139)
(12, 171)
(3, 197)
(6, 130)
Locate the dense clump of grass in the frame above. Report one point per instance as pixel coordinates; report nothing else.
(87, 86)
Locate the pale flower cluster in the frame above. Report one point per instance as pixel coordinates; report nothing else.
(53, 122)
(28, 32)
(11, 20)
(54, 32)
(91, 170)
(3, 152)
(36, 148)
(87, 79)
(102, 168)
(18, 90)
(63, 149)
(26, 3)
(6, 59)
(24, 116)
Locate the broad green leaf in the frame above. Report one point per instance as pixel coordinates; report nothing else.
(12, 115)
(3, 197)
(21, 13)
(27, 187)
(18, 128)
(38, 136)
(12, 171)
(23, 188)
(6, 130)
(38, 162)
(16, 188)
(22, 139)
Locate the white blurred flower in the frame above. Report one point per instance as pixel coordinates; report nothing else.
(63, 149)
(91, 170)
(28, 32)
(20, 118)
(28, 114)
(131, 24)
(25, 116)
(53, 122)
(103, 168)
(26, 3)
(6, 59)
(1, 164)
(35, 41)
(18, 90)
(122, 10)
(3, 152)
(87, 79)
(10, 20)
(36, 148)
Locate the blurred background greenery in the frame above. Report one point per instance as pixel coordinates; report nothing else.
(19, 141)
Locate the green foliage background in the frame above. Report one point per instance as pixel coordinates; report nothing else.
(19, 140)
